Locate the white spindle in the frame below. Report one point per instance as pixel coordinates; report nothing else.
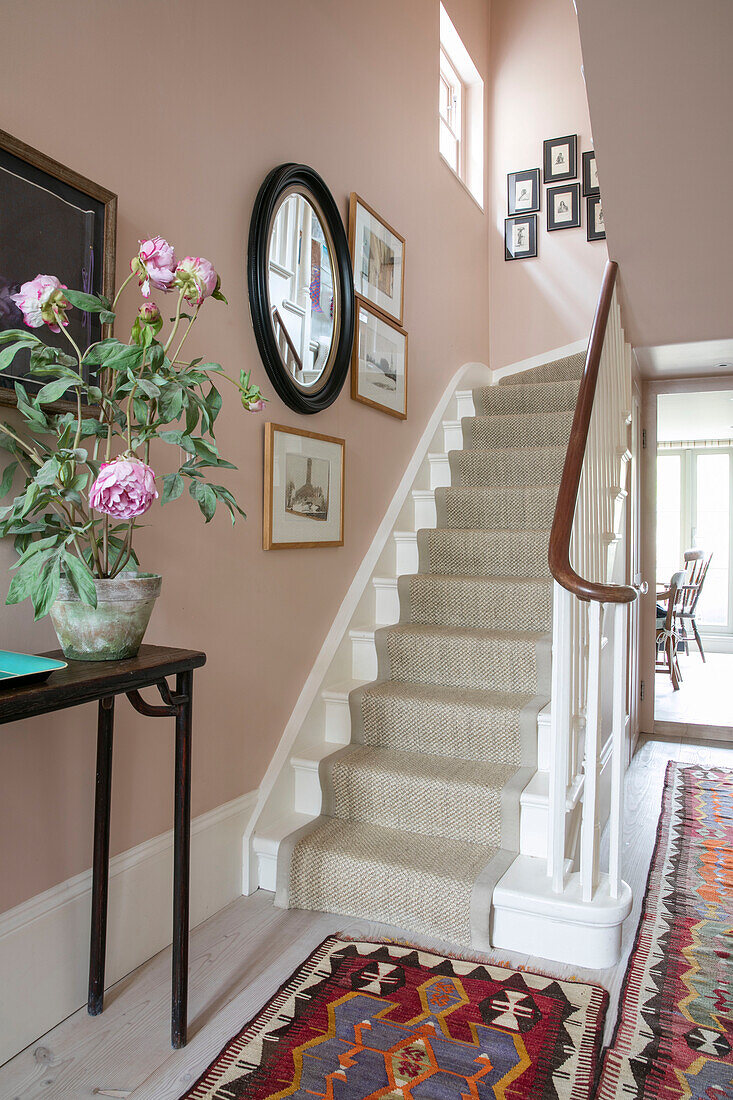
(618, 751)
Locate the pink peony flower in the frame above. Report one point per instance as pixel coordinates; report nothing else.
(256, 406)
(42, 302)
(197, 279)
(124, 489)
(155, 265)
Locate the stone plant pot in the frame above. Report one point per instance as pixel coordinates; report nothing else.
(113, 629)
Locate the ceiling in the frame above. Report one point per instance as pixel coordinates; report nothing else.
(709, 357)
(660, 89)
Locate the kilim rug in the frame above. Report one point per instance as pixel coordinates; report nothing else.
(675, 1029)
(377, 1020)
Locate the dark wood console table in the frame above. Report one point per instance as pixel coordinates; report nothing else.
(101, 682)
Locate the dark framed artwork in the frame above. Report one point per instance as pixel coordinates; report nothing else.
(590, 175)
(595, 227)
(563, 206)
(520, 237)
(523, 191)
(54, 222)
(560, 157)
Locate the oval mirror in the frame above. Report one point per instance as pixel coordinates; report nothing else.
(301, 288)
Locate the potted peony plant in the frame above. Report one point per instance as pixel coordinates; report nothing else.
(85, 476)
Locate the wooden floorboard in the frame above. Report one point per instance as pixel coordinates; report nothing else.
(241, 955)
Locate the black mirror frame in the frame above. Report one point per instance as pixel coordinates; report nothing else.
(278, 180)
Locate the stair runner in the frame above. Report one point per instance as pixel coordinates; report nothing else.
(420, 813)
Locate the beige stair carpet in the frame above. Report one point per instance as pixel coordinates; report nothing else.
(420, 813)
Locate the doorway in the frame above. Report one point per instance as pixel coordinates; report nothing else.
(694, 535)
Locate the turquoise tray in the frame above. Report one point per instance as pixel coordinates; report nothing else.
(19, 668)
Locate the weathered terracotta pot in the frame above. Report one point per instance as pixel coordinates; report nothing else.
(112, 630)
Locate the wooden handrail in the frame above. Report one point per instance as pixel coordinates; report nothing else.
(567, 497)
(291, 346)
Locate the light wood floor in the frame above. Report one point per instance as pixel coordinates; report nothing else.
(240, 956)
(703, 699)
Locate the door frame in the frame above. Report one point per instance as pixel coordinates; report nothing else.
(651, 389)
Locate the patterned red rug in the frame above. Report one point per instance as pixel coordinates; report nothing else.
(675, 1028)
(361, 1021)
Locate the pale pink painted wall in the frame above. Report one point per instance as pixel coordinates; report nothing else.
(537, 92)
(182, 108)
(660, 85)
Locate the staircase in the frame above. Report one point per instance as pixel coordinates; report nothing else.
(435, 790)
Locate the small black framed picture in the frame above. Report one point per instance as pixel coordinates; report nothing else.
(563, 206)
(560, 158)
(595, 227)
(520, 237)
(523, 191)
(590, 175)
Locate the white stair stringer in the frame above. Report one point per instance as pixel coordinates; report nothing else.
(320, 728)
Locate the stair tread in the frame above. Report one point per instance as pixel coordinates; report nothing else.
(478, 633)
(450, 695)
(425, 766)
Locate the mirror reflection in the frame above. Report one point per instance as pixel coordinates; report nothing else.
(301, 291)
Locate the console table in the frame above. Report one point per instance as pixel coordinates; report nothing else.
(102, 682)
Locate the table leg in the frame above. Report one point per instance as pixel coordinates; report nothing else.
(181, 858)
(100, 873)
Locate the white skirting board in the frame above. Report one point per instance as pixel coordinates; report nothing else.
(44, 942)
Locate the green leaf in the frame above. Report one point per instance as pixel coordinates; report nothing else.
(179, 439)
(90, 303)
(80, 578)
(47, 587)
(37, 547)
(48, 472)
(31, 497)
(114, 355)
(26, 579)
(7, 480)
(205, 496)
(9, 353)
(106, 316)
(219, 296)
(19, 335)
(52, 391)
(148, 388)
(213, 403)
(172, 488)
(170, 403)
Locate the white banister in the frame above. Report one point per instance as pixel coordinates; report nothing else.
(589, 718)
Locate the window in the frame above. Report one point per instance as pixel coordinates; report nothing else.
(460, 110)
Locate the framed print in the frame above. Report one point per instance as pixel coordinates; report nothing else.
(563, 207)
(520, 237)
(52, 222)
(304, 489)
(590, 175)
(523, 192)
(561, 158)
(595, 227)
(378, 256)
(379, 362)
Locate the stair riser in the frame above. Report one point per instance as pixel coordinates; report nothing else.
(552, 397)
(440, 470)
(507, 467)
(424, 508)
(482, 605)
(386, 601)
(406, 553)
(481, 554)
(453, 810)
(363, 656)
(569, 369)
(486, 432)
(495, 509)
(475, 662)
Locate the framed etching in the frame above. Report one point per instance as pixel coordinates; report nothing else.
(560, 158)
(520, 237)
(378, 256)
(595, 227)
(523, 192)
(590, 175)
(53, 221)
(304, 489)
(563, 207)
(379, 362)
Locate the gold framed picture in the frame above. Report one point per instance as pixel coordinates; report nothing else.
(378, 255)
(379, 362)
(304, 489)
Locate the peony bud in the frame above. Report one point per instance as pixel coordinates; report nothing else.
(147, 324)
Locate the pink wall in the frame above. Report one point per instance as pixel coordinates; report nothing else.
(660, 85)
(182, 109)
(537, 92)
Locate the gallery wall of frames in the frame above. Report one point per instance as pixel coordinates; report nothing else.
(303, 470)
(564, 193)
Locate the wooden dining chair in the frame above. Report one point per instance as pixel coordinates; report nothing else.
(696, 568)
(668, 636)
